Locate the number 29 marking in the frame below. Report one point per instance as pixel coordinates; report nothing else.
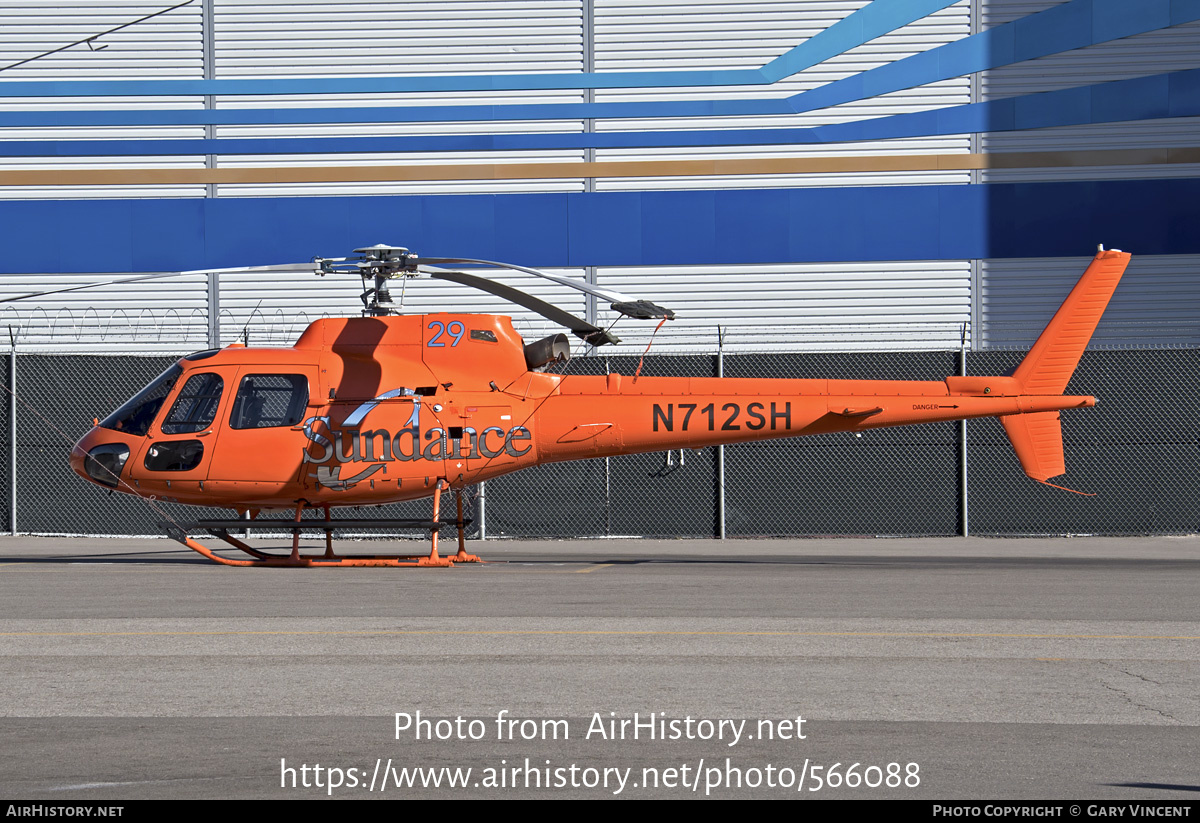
(455, 329)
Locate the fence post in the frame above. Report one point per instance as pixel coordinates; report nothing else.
(962, 443)
(607, 479)
(12, 432)
(720, 448)
(482, 510)
(214, 310)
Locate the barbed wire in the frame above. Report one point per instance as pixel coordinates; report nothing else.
(147, 330)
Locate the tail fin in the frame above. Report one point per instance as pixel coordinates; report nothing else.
(1050, 363)
(1046, 370)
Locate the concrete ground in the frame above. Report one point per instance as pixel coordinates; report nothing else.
(955, 668)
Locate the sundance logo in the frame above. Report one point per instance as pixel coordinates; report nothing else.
(381, 445)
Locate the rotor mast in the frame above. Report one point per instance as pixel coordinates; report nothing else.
(379, 263)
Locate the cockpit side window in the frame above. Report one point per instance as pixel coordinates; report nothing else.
(136, 414)
(269, 400)
(196, 407)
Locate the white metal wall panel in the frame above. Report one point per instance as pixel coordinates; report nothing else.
(633, 35)
(168, 316)
(269, 38)
(1156, 303)
(799, 307)
(1155, 52)
(163, 46)
(167, 46)
(321, 39)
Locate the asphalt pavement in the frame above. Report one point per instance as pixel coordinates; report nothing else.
(923, 668)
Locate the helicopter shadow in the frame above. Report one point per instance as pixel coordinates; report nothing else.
(1169, 787)
(173, 557)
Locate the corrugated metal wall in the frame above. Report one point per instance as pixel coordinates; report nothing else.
(789, 306)
(793, 307)
(1157, 303)
(320, 39)
(169, 45)
(638, 36)
(1154, 52)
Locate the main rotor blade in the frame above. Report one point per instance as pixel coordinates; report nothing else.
(581, 328)
(282, 267)
(309, 266)
(603, 293)
(638, 309)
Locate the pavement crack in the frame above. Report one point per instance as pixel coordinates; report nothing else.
(1126, 696)
(1135, 674)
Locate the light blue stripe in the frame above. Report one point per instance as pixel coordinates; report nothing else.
(393, 114)
(1176, 94)
(383, 85)
(871, 21)
(1141, 98)
(858, 27)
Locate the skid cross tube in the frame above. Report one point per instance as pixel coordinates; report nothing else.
(221, 529)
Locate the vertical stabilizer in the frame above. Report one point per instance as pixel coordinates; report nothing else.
(1050, 363)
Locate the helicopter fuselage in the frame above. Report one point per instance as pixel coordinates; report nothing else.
(374, 410)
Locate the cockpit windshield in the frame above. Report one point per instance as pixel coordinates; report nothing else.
(136, 415)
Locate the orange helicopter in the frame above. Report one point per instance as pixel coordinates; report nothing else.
(385, 407)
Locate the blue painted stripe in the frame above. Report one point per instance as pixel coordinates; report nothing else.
(1176, 94)
(1143, 98)
(861, 26)
(1073, 25)
(384, 85)
(614, 228)
(392, 114)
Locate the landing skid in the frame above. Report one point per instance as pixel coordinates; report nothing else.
(222, 528)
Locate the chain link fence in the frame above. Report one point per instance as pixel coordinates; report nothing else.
(1136, 451)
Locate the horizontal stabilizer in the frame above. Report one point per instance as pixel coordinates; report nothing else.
(861, 412)
(1037, 439)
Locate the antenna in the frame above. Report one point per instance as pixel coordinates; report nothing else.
(246, 328)
(90, 41)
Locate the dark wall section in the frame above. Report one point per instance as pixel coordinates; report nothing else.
(1137, 451)
(887, 481)
(6, 450)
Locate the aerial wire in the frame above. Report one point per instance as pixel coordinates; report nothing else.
(88, 40)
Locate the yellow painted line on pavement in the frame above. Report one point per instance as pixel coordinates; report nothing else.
(595, 568)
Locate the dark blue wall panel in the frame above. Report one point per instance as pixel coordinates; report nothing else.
(617, 228)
